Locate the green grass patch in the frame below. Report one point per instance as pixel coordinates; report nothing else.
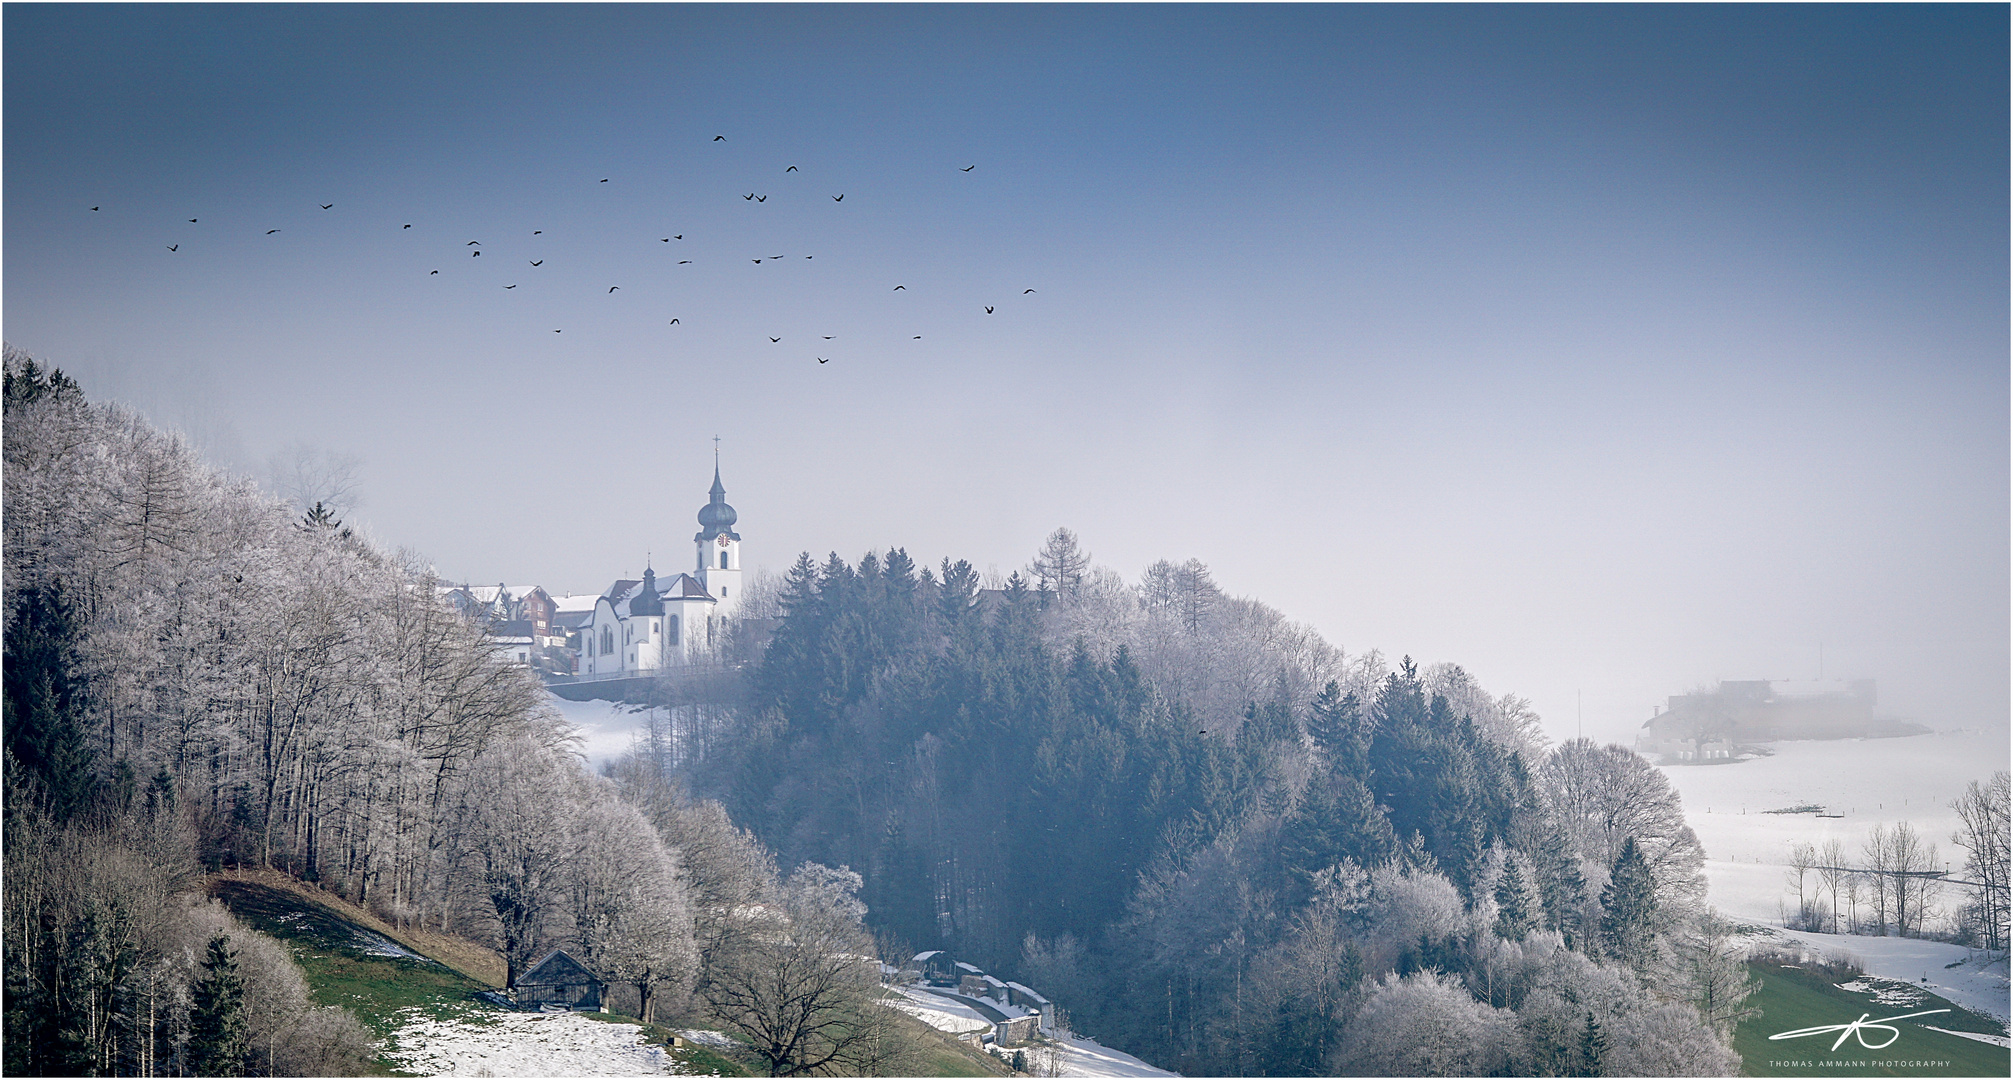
(338, 958)
(1793, 997)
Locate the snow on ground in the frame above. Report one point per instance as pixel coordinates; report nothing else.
(1082, 1057)
(1912, 960)
(941, 1013)
(606, 728)
(527, 1044)
(1868, 781)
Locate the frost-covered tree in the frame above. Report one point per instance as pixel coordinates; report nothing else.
(1426, 1025)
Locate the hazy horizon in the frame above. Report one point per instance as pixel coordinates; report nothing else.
(1606, 352)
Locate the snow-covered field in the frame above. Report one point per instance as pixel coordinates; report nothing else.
(1868, 782)
(1080, 1057)
(527, 1044)
(606, 728)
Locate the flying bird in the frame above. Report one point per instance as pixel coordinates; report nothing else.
(475, 254)
(677, 236)
(838, 198)
(430, 273)
(327, 206)
(269, 232)
(510, 286)
(535, 232)
(612, 288)
(989, 309)
(810, 256)
(555, 331)
(684, 262)
(829, 337)
(918, 337)
(758, 262)
(538, 262)
(473, 243)
(192, 221)
(968, 168)
(665, 239)
(1025, 292)
(604, 179)
(775, 339)
(899, 288)
(408, 226)
(792, 168)
(821, 359)
(775, 256)
(749, 195)
(719, 138)
(94, 208)
(172, 247)
(674, 322)
(761, 198)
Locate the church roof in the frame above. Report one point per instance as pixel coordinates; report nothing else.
(716, 516)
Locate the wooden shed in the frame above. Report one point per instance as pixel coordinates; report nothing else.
(563, 982)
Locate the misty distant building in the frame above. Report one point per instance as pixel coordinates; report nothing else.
(640, 627)
(1711, 725)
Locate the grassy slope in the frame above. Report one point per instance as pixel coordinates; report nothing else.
(1793, 997)
(322, 932)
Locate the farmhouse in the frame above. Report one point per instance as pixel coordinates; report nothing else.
(560, 981)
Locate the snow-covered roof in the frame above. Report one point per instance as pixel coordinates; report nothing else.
(922, 956)
(962, 966)
(519, 592)
(573, 602)
(1029, 994)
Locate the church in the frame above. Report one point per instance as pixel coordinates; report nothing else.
(639, 627)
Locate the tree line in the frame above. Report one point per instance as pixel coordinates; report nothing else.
(1217, 841)
(198, 677)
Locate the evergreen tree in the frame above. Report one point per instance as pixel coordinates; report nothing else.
(1516, 915)
(1628, 908)
(1338, 727)
(217, 1023)
(47, 751)
(1593, 1047)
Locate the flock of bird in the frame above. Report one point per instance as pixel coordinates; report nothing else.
(752, 196)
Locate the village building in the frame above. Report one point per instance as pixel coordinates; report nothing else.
(638, 628)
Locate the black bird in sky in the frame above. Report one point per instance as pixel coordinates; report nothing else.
(838, 198)
(758, 262)
(172, 247)
(269, 232)
(810, 256)
(666, 239)
(968, 168)
(535, 232)
(1026, 291)
(408, 226)
(192, 221)
(612, 288)
(674, 322)
(719, 138)
(555, 331)
(510, 286)
(475, 254)
(761, 198)
(677, 236)
(899, 288)
(829, 337)
(775, 256)
(473, 243)
(792, 168)
(604, 179)
(775, 339)
(749, 195)
(684, 262)
(918, 337)
(327, 206)
(538, 262)
(94, 208)
(989, 309)
(430, 273)
(821, 359)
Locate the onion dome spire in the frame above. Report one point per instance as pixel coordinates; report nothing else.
(716, 517)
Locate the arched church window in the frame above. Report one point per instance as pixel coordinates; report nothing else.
(671, 630)
(723, 560)
(607, 640)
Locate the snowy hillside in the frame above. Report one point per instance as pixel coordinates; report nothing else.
(527, 1044)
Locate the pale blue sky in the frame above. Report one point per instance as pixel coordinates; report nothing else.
(1598, 349)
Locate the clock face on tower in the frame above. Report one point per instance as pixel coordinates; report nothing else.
(723, 540)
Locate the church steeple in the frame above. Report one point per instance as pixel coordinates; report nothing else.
(716, 517)
(719, 546)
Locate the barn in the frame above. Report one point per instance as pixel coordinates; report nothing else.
(560, 981)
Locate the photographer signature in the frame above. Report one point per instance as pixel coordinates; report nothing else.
(1857, 1029)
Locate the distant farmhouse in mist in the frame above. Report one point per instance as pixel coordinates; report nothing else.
(1710, 725)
